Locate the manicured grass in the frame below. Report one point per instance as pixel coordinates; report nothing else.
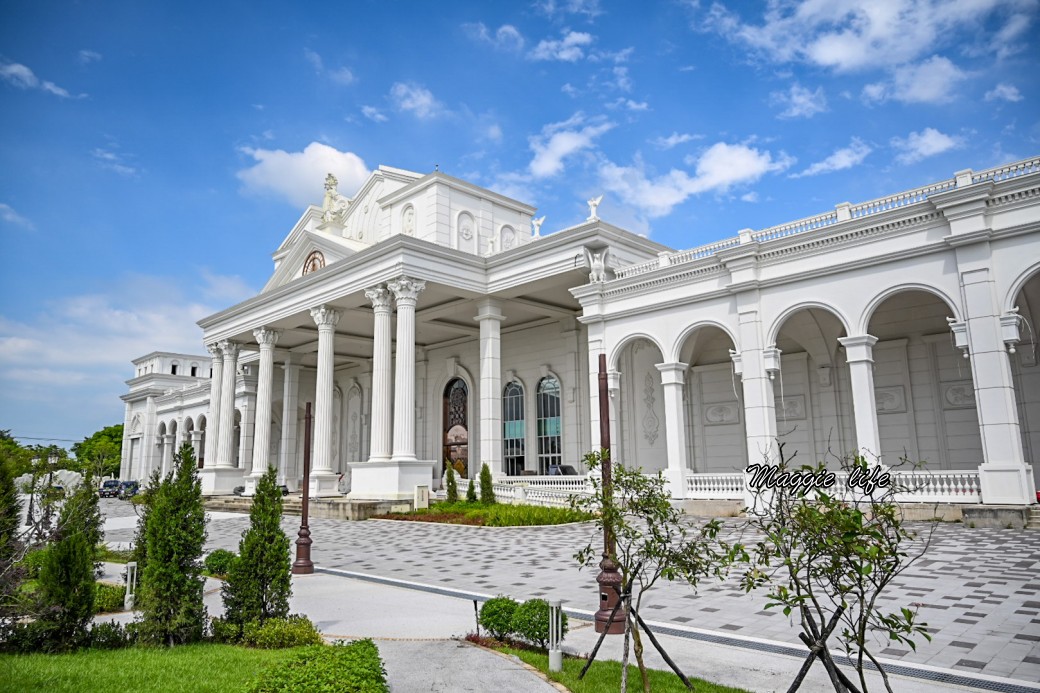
(496, 515)
(108, 555)
(606, 676)
(202, 668)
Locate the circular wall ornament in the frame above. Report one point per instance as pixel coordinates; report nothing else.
(315, 261)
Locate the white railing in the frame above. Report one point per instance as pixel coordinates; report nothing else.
(559, 481)
(1010, 171)
(715, 486)
(856, 211)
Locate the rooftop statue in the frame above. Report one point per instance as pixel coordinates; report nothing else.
(334, 206)
(593, 204)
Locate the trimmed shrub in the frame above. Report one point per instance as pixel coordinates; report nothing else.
(219, 562)
(108, 598)
(487, 486)
(279, 633)
(496, 615)
(471, 492)
(351, 668)
(31, 637)
(531, 622)
(225, 631)
(452, 487)
(109, 635)
(33, 561)
(258, 582)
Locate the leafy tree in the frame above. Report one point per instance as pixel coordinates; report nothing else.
(453, 488)
(487, 487)
(67, 574)
(10, 538)
(653, 541)
(100, 453)
(258, 583)
(471, 492)
(170, 595)
(18, 457)
(828, 555)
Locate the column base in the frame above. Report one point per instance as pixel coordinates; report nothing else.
(324, 485)
(1006, 483)
(219, 481)
(389, 479)
(250, 481)
(675, 483)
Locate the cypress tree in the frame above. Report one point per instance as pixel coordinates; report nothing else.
(140, 546)
(471, 492)
(258, 584)
(453, 488)
(170, 595)
(487, 488)
(10, 543)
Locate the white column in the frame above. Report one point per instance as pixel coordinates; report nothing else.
(382, 394)
(289, 471)
(226, 440)
(759, 406)
(672, 380)
(196, 443)
(213, 416)
(490, 318)
(1004, 476)
(266, 338)
(167, 453)
(323, 479)
(406, 293)
(859, 352)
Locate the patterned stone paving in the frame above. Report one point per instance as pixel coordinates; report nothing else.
(977, 589)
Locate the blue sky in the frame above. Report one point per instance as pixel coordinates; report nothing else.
(154, 155)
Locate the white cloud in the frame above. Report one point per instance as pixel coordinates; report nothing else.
(416, 99)
(559, 141)
(506, 37)
(621, 79)
(554, 8)
(921, 145)
(87, 56)
(113, 161)
(373, 113)
(750, 196)
(569, 90)
(568, 49)
(799, 102)
(9, 216)
(20, 76)
(673, 140)
(719, 168)
(841, 159)
(339, 75)
(847, 35)
(493, 132)
(629, 105)
(932, 81)
(1004, 92)
(297, 177)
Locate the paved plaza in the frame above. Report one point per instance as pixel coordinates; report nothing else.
(977, 589)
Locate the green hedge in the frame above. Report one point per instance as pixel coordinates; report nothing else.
(496, 615)
(219, 562)
(108, 598)
(279, 633)
(346, 668)
(531, 622)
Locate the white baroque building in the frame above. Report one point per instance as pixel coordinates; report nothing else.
(428, 319)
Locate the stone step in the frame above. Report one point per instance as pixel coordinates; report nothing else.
(1033, 522)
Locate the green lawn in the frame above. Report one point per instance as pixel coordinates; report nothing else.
(496, 515)
(195, 668)
(606, 676)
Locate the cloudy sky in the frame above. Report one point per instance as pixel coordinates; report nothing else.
(152, 158)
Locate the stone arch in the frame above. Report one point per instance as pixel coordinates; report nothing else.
(680, 341)
(639, 405)
(1016, 286)
(868, 312)
(778, 323)
(615, 355)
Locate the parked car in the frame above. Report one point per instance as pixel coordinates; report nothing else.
(128, 489)
(562, 470)
(109, 489)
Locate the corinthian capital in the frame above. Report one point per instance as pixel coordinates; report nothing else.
(214, 349)
(229, 349)
(406, 290)
(324, 316)
(265, 336)
(379, 297)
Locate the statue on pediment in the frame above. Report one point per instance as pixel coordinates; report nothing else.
(597, 261)
(334, 206)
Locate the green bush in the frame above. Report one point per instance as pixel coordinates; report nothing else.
(33, 561)
(279, 633)
(109, 635)
(531, 622)
(496, 615)
(108, 598)
(452, 487)
(225, 631)
(487, 486)
(471, 492)
(502, 515)
(350, 668)
(219, 562)
(28, 638)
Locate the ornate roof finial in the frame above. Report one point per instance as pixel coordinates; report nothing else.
(593, 204)
(330, 182)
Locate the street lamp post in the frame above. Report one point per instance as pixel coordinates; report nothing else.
(303, 564)
(609, 619)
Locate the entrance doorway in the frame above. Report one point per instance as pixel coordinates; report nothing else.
(456, 432)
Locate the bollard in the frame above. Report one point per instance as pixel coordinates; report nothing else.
(555, 626)
(131, 581)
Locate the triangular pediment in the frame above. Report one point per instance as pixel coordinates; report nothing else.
(308, 251)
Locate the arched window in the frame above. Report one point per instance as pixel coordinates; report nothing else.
(456, 422)
(513, 428)
(550, 444)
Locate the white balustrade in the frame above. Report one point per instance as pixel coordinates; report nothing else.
(569, 482)
(1014, 170)
(715, 486)
(791, 228)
